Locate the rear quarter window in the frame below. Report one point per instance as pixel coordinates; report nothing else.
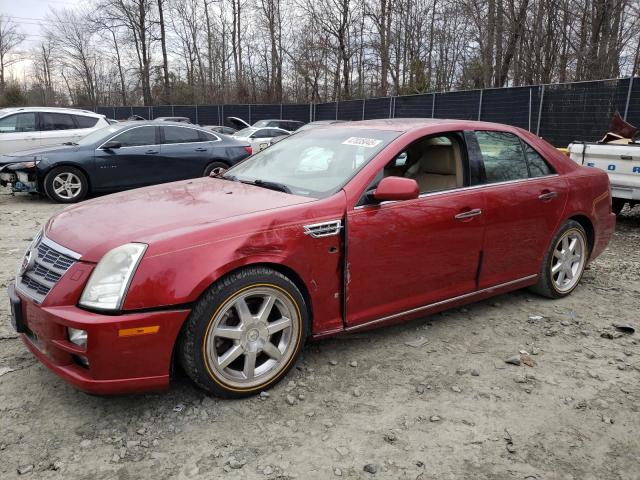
(85, 122)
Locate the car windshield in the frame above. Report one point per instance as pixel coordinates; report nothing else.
(245, 132)
(262, 123)
(314, 163)
(98, 135)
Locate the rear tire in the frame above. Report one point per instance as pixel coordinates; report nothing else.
(212, 166)
(564, 262)
(617, 204)
(245, 333)
(66, 184)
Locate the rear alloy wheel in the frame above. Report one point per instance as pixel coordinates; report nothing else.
(66, 185)
(214, 166)
(564, 262)
(245, 333)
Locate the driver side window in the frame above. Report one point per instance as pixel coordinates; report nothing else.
(137, 137)
(434, 162)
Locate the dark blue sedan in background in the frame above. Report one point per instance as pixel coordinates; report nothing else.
(119, 157)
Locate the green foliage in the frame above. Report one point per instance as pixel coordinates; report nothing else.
(12, 96)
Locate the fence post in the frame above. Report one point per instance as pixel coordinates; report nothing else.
(480, 105)
(114, 113)
(250, 122)
(540, 111)
(530, 102)
(197, 120)
(222, 114)
(364, 101)
(173, 111)
(626, 107)
(310, 112)
(280, 111)
(391, 106)
(336, 109)
(433, 104)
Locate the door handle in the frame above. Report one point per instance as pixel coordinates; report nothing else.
(151, 152)
(201, 149)
(468, 214)
(626, 157)
(546, 196)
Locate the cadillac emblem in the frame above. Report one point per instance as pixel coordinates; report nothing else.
(27, 262)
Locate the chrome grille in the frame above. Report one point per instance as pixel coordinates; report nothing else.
(37, 276)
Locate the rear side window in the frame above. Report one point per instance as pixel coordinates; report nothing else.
(20, 122)
(207, 137)
(85, 122)
(180, 135)
(137, 137)
(278, 133)
(56, 121)
(502, 156)
(537, 165)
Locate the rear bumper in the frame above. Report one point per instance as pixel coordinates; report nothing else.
(604, 232)
(127, 353)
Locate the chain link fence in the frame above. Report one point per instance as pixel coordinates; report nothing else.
(560, 113)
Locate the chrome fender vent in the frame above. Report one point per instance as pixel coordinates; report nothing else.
(323, 229)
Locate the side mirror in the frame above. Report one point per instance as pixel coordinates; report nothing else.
(395, 188)
(111, 145)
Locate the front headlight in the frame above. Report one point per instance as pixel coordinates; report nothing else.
(23, 165)
(110, 280)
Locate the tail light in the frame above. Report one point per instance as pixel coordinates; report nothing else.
(249, 150)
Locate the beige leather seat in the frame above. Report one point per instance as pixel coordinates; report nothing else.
(439, 168)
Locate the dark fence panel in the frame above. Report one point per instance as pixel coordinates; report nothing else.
(414, 106)
(580, 111)
(122, 113)
(325, 111)
(264, 112)
(188, 111)
(377, 108)
(350, 110)
(458, 105)
(570, 111)
(507, 105)
(209, 114)
(300, 112)
(143, 112)
(240, 111)
(162, 111)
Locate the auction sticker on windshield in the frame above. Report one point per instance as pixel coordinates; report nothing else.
(362, 142)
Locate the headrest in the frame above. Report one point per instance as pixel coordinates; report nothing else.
(439, 160)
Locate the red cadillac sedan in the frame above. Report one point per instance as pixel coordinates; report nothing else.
(333, 230)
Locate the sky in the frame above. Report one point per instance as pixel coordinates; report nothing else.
(29, 14)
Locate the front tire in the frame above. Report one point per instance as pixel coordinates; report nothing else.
(66, 184)
(564, 262)
(244, 333)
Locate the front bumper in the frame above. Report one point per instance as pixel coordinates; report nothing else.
(20, 181)
(125, 353)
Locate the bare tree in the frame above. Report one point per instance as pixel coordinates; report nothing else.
(10, 39)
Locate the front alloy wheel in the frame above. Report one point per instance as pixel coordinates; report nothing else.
(244, 333)
(66, 184)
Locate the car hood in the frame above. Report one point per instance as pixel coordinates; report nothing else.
(153, 214)
(25, 155)
(237, 123)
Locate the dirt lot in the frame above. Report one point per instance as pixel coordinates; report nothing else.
(448, 408)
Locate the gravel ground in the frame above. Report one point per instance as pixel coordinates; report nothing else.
(429, 399)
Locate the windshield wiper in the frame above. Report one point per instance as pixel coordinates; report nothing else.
(70, 143)
(280, 187)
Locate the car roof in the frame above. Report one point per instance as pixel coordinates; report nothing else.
(408, 124)
(74, 111)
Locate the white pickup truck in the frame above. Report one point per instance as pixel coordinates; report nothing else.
(620, 161)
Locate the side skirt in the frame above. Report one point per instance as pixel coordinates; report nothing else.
(436, 307)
